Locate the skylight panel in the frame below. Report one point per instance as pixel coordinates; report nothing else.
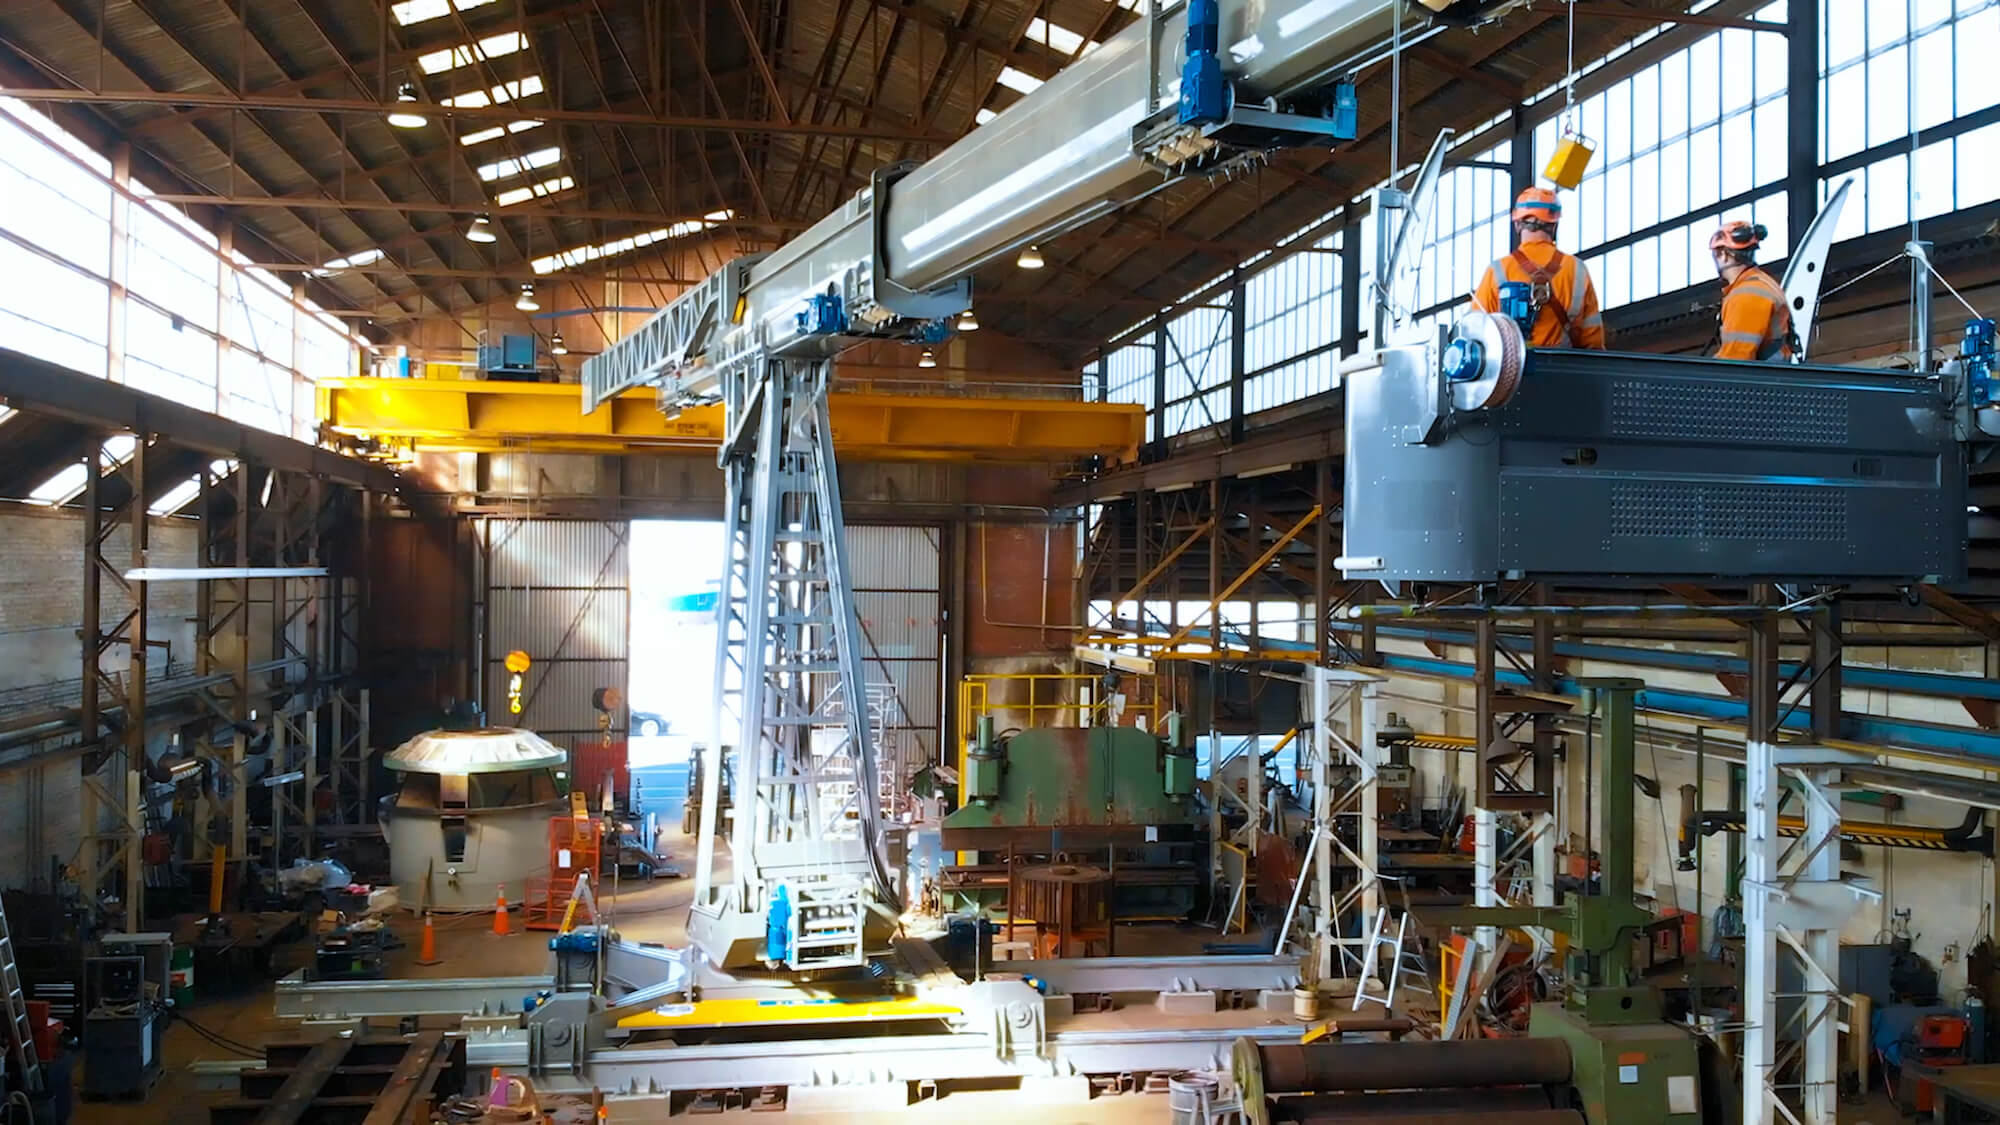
(616, 246)
(1019, 80)
(1054, 36)
(498, 131)
(491, 47)
(417, 11)
(356, 260)
(499, 95)
(60, 488)
(514, 166)
(520, 194)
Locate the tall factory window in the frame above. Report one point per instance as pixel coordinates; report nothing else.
(1895, 68)
(199, 327)
(1468, 230)
(1291, 327)
(1197, 387)
(1691, 139)
(1128, 373)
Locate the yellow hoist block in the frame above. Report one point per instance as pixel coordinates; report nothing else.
(1572, 156)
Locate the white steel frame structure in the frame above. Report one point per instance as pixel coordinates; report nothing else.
(1795, 899)
(789, 696)
(1344, 721)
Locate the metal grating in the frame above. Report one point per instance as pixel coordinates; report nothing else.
(1722, 412)
(1659, 510)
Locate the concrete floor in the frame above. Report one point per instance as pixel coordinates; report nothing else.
(654, 913)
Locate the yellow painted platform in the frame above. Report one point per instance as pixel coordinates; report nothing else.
(453, 415)
(804, 1009)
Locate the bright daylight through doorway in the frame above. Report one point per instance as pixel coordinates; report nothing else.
(676, 568)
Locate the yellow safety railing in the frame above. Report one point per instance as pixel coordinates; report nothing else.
(1047, 699)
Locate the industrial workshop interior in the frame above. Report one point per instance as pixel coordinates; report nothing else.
(1222, 562)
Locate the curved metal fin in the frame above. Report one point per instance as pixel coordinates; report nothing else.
(1807, 269)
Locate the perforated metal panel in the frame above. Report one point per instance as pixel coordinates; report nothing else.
(1651, 509)
(1727, 412)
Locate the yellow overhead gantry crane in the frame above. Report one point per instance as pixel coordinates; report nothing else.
(465, 415)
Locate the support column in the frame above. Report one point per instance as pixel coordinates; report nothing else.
(1236, 327)
(1323, 555)
(1543, 824)
(1350, 281)
(138, 527)
(1827, 658)
(1521, 153)
(1344, 700)
(1484, 832)
(1819, 945)
(1761, 846)
(1801, 117)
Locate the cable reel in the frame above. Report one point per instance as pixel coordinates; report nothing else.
(1483, 363)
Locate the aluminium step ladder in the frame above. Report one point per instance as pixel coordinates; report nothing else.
(14, 1006)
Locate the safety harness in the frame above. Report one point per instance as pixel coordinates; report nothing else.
(1541, 287)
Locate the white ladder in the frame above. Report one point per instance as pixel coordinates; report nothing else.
(15, 1003)
(1371, 961)
(889, 775)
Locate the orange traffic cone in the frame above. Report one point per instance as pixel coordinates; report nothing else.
(427, 951)
(500, 911)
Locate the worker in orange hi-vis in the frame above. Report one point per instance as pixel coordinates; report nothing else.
(1756, 324)
(1560, 308)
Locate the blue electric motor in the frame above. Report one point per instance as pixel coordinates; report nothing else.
(1517, 303)
(1204, 91)
(824, 315)
(778, 926)
(1978, 355)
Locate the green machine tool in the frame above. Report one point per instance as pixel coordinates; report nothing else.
(1118, 795)
(1627, 1066)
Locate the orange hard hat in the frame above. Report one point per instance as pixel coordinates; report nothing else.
(1738, 234)
(1538, 203)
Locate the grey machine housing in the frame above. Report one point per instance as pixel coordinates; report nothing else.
(1606, 466)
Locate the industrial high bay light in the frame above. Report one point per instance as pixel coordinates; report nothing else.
(481, 229)
(401, 116)
(526, 301)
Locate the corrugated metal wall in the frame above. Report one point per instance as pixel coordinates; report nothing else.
(898, 596)
(557, 590)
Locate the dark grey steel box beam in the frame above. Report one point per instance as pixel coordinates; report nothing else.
(1608, 466)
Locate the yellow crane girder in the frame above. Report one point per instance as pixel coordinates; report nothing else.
(463, 415)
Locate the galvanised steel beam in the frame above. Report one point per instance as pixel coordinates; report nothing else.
(898, 1059)
(297, 998)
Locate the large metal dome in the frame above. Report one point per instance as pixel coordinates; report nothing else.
(486, 750)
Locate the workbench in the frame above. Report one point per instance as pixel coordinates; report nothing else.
(1966, 1093)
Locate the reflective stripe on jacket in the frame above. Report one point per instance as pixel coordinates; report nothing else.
(1756, 324)
(1570, 317)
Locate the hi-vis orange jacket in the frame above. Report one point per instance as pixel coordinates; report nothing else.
(1755, 322)
(1568, 315)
